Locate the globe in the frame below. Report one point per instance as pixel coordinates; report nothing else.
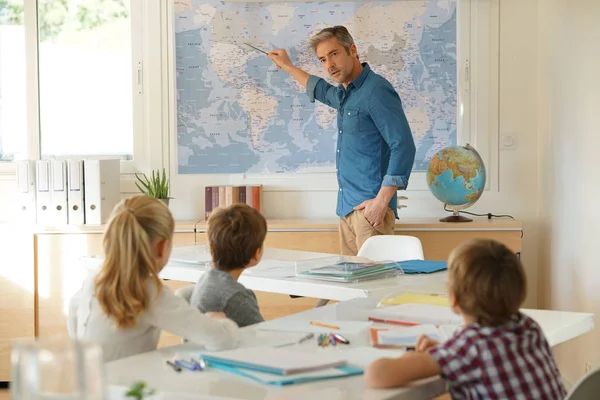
(456, 177)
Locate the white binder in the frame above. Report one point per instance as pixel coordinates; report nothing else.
(75, 198)
(43, 193)
(102, 189)
(58, 187)
(26, 191)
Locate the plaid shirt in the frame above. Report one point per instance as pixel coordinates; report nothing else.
(512, 361)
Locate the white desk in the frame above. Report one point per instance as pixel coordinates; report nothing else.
(559, 327)
(264, 277)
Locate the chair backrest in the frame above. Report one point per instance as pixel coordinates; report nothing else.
(588, 387)
(392, 247)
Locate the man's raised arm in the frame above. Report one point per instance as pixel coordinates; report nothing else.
(282, 60)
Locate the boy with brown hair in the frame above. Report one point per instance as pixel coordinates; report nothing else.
(235, 237)
(500, 353)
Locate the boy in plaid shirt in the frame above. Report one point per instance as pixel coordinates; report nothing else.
(500, 353)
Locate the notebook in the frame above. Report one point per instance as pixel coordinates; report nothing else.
(416, 314)
(357, 357)
(276, 361)
(422, 266)
(278, 380)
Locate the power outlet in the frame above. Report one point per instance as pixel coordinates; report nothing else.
(588, 367)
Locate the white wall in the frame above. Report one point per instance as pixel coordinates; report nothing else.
(568, 143)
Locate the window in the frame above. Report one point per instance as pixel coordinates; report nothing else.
(85, 76)
(71, 81)
(13, 105)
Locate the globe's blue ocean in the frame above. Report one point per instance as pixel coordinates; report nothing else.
(456, 192)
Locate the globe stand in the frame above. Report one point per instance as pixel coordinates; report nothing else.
(456, 217)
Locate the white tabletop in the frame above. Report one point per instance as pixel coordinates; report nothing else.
(276, 274)
(558, 326)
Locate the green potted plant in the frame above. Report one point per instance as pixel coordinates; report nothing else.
(156, 186)
(139, 390)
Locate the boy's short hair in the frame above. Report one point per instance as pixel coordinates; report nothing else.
(487, 280)
(234, 234)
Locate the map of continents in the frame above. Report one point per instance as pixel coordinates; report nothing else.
(237, 113)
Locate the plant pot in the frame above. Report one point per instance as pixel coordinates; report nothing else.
(166, 201)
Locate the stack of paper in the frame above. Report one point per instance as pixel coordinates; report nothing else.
(280, 366)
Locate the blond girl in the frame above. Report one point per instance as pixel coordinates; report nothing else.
(125, 305)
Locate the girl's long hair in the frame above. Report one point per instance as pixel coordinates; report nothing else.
(135, 226)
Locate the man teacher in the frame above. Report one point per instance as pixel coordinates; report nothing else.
(375, 147)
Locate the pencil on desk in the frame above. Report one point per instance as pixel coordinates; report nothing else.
(317, 323)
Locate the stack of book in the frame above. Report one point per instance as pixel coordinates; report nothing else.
(346, 271)
(220, 196)
(276, 366)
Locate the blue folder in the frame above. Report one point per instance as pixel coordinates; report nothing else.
(277, 379)
(422, 266)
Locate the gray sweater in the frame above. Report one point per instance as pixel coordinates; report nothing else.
(217, 291)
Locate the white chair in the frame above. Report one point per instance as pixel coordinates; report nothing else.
(185, 292)
(587, 388)
(392, 247)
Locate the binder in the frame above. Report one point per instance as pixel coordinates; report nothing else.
(58, 192)
(26, 191)
(102, 189)
(43, 194)
(75, 198)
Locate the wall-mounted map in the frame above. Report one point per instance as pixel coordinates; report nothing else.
(237, 113)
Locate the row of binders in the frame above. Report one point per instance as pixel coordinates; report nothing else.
(61, 192)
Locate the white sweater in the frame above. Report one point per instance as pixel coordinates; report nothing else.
(169, 312)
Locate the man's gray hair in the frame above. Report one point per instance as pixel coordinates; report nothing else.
(340, 32)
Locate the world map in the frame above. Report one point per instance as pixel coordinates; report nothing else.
(238, 113)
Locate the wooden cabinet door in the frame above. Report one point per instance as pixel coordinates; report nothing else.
(16, 293)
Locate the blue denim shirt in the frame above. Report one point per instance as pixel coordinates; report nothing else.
(375, 146)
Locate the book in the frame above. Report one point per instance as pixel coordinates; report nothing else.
(226, 195)
(334, 269)
(277, 361)
(416, 314)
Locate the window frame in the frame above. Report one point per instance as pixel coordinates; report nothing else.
(146, 78)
